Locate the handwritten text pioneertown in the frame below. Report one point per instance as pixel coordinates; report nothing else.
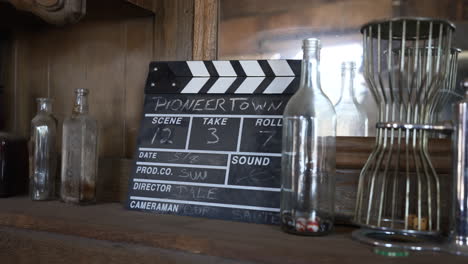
(217, 104)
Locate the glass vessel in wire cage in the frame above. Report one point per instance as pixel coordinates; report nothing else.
(79, 150)
(308, 153)
(351, 120)
(43, 154)
(408, 62)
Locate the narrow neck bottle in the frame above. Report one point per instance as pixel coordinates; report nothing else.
(81, 102)
(347, 82)
(310, 72)
(308, 153)
(44, 105)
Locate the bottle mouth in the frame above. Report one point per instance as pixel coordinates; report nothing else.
(311, 44)
(44, 99)
(81, 91)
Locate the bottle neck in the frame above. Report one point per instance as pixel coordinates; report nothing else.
(347, 85)
(44, 106)
(310, 73)
(81, 104)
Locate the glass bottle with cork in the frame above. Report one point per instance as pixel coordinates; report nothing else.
(79, 150)
(308, 153)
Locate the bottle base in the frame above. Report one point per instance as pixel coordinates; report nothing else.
(306, 226)
(292, 230)
(43, 199)
(42, 196)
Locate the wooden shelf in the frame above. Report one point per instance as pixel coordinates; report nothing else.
(177, 238)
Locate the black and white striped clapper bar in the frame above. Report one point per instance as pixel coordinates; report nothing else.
(210, 139)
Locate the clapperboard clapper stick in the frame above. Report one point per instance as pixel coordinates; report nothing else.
(210, 139)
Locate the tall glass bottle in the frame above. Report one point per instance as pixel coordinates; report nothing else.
(79, 150)
(308, 159)
(351, 119)
(43, 154)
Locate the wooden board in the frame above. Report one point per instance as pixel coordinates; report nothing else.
(205, 30)
(30, 247)
(103, 55)
(231, 240)
(173, 30)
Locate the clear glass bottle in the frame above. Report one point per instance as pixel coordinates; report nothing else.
(352, 121)
(43, 154)
(79, 150)
(308, 159)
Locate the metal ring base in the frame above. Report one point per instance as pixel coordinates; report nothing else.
(397, 239)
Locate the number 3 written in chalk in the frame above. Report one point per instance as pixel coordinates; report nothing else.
(213, 134)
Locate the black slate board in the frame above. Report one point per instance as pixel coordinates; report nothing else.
(210, 139)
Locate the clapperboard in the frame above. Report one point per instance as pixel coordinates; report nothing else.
(210, 139)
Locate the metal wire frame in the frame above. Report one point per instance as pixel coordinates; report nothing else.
(407, 61)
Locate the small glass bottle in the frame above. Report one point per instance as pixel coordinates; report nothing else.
(351, 119)
(79, 150)
(308, 155)
(43, 154)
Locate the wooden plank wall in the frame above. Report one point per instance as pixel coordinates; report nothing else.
(109, 57)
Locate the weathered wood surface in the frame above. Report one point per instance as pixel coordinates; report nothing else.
(173, 30)
(205, 30)
(231, 240)
(110, 58)
(18, 246)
